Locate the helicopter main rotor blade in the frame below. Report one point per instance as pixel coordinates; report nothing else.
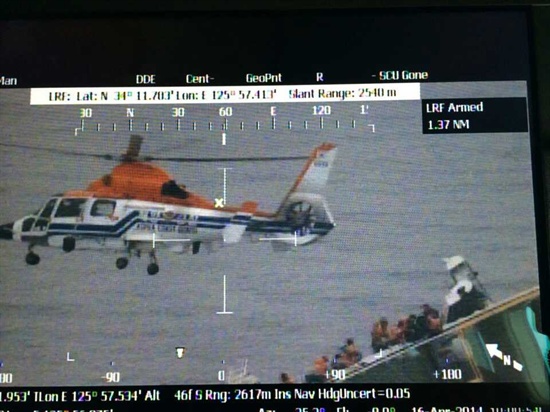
(222, 159)
(61, 151)
(134, 148)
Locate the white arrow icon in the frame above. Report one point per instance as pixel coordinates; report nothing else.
(492, 348)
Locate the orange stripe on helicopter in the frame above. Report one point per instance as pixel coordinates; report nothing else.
(144, 181)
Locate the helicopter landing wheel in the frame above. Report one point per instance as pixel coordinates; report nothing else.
(121, 263)
(32, 258)
(152, 269)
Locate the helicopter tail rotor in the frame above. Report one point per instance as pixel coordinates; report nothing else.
(300, 216)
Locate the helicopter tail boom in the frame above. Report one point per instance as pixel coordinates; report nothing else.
(304, 208)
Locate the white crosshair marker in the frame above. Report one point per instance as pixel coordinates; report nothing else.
(224, 312)
(295, 238)
(220, 202)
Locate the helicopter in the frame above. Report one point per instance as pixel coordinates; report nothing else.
(138, 208)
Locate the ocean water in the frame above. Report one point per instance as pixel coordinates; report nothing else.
(401, 201)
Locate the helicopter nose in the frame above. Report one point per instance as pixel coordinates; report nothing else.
(6, 231)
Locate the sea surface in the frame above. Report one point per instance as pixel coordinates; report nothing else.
(401, 201)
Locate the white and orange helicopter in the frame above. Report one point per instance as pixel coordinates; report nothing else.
(138, 208)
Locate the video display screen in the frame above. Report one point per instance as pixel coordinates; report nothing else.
(279, 210)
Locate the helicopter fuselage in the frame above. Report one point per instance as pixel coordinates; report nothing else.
(138, 207)
(119, 224)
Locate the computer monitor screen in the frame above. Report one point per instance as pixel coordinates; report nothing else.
(271, 210)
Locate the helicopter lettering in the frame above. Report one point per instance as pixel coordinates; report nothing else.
(169, 215)
(145, 226)
(133, 215)
(155, 227)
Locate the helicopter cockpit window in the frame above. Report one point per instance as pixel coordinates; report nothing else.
(171, 188)
(70, 208)
(48, 209)
(103, 207)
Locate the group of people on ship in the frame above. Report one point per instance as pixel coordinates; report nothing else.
(409, 329)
